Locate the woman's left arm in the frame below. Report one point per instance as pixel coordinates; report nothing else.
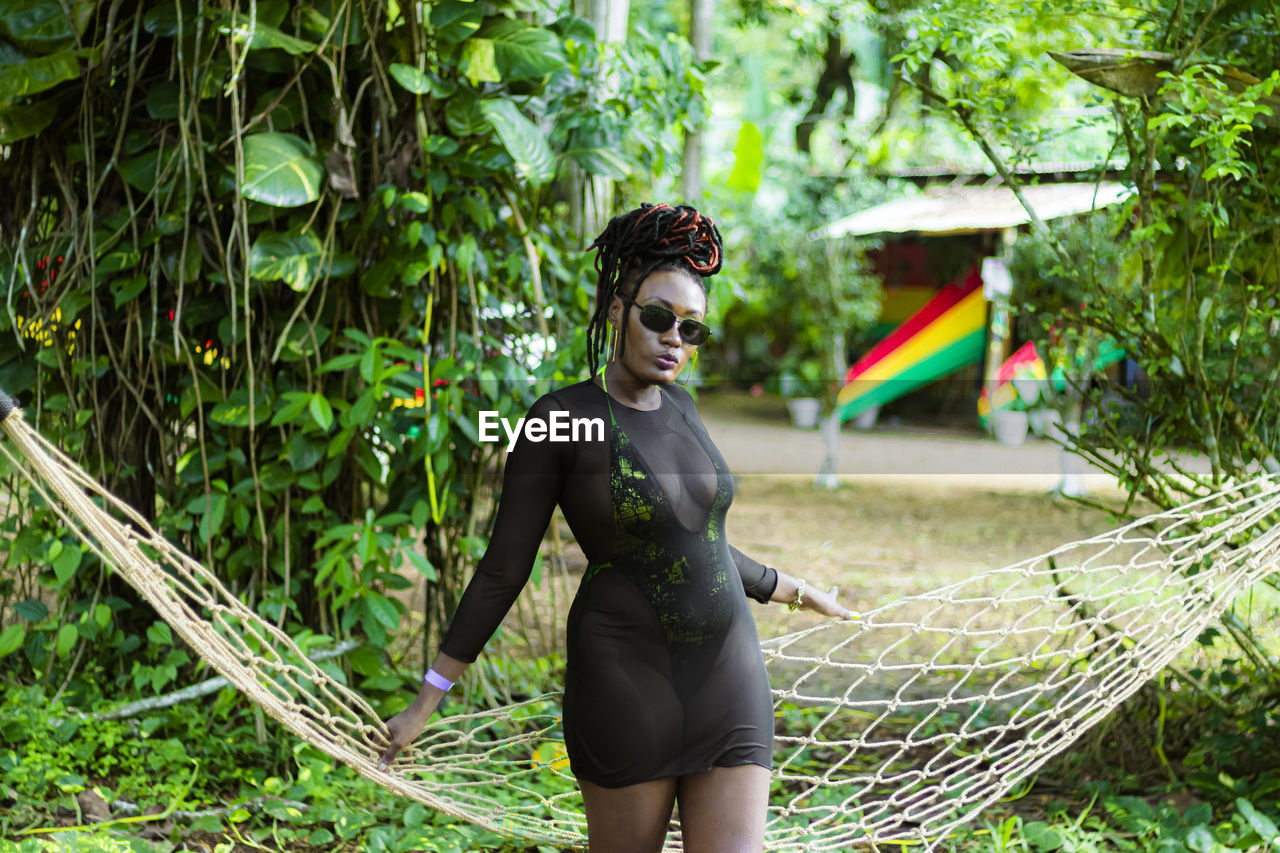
(813, 598)
(765, 584)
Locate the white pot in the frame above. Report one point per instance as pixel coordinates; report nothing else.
(1010, 428)
(804, 412)
(867, 419)
(1044, 421)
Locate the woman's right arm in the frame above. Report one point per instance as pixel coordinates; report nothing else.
(531, 486)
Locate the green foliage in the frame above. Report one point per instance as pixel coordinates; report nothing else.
(49, 754)
(1129, 824)
(799, 296)
(1180, 275)
(263, 268)
(275, 791)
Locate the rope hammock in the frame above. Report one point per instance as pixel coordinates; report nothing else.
(899, 726)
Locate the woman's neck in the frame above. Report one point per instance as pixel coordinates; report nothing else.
(623, 386)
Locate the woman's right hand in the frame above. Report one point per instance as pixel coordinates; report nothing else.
(404, 727)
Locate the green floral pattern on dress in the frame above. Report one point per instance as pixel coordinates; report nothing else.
(681, 573)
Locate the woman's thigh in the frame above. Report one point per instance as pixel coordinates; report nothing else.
(724, 809)
(630, 819)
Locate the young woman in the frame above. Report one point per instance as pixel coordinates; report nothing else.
(666, 697)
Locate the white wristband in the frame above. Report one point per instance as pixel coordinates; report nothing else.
(437, 680)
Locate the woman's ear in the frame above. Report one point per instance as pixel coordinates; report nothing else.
(615, 311)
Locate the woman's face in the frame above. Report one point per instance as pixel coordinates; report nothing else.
(656, 358)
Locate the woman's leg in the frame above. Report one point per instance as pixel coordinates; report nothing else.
(631, 819)
(723, 810)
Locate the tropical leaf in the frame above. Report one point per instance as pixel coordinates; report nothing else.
(163, 19)
(456, 20)
(40, 25)
(608, 162)
(235, 411)
(162, 100)
(478, 60)
(264, 36)
(522, 52)
(411, 78)
(573, 27)
(10, 55)
(15, 635)
(462, 114)
(142, 172)
(526, 144)
(748, 159)
(279, 170)
(317, 17)
(36, 75)
(19, 122)
(295, 259)
(283, 110)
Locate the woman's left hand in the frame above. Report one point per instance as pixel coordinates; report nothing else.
(825, 603)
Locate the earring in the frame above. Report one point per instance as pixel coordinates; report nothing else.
(617, 338)
(693, 363)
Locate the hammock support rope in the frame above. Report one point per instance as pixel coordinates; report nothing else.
(897, 727)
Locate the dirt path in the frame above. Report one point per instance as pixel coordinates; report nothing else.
(936, 458)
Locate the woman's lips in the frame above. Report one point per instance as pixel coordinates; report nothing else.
(668, 361)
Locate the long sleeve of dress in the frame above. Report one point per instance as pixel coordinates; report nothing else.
(758, 580)
(531, 485)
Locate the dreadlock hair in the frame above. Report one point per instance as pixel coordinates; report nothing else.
(633, 245)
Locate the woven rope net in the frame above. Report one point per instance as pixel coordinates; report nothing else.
(898, 726)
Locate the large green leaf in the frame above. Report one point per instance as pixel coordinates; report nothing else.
(10, 55)
(526, 144)
(748, 159)
(411, 78)
(318, 17)
(263, 36)
(601, 161)
(520, 51)
(284, 111)
(462, 114)
(162, 99)
(478, 60)
(163, 19)
(42, 25)
(455, 20)
(279, 170)
(19, 122)
(142, 172)
(235, 411)
(36, 75)
(295, 259)
(12, 639)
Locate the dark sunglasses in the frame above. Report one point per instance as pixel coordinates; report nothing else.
(658, 319)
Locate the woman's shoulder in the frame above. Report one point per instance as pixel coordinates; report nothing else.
(581, 399)
(681, 397)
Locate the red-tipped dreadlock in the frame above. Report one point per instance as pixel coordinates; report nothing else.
(635, 244)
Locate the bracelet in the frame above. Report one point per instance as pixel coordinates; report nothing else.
(793, 606)
(437, 680)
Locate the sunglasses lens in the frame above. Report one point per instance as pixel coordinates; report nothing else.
(659, 319)
(693, 332)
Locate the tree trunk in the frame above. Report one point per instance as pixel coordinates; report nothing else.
(701, 21)
(591, 196)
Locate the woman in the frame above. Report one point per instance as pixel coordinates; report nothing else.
(666, 697)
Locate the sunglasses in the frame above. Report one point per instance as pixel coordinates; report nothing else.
(658, 319)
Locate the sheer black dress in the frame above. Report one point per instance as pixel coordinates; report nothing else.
(664, 671)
